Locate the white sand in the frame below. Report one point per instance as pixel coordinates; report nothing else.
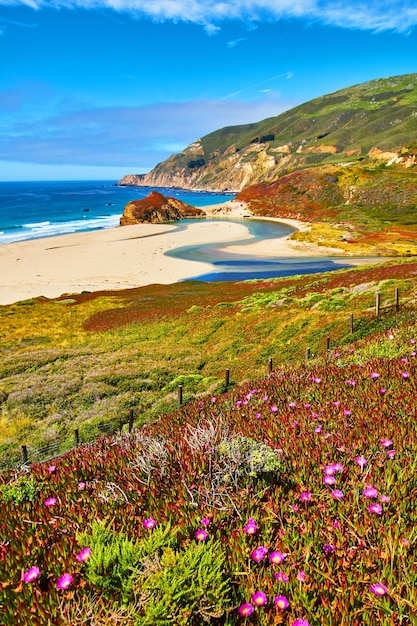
(128, 256)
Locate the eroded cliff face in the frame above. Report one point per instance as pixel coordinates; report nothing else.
(156, 209)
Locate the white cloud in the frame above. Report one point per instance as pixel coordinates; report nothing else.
(123, 135)
(373, 15)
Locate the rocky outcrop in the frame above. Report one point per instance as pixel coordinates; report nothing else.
(156, 209)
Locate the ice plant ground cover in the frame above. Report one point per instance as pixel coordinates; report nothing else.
(219, 513)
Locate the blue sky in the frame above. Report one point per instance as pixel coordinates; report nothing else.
(101, 88)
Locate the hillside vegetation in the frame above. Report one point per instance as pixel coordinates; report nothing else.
(372, 122)
(290, 499)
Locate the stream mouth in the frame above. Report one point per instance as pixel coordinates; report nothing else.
(228, 266)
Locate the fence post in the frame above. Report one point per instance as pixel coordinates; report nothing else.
(397, 299)
(24, 455)
(351, 323)
(328, 343)
(131, 415)
(377, 303)
(179, 396)
(308, 353)
(270, 365)
(226, 378)
(76, 437)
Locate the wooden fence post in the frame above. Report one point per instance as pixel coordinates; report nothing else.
(76, 437)
(131, 416)
(397, 299)
(351, 323)
(270, 365)
(308, 353)
(24, 455)
(377, 303)
(328, 343)
(179, 396)
(226, 378)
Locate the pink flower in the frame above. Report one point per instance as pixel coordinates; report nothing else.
(295, 508)
(386, 443)
(300, 622)
(31, 574)
(306, 496)
(259, 598)
(281, 577)
(337, 495)
(81, 486)
(245, 610)
(375, 508)
(205, 521)
(281, 603)
(329, 480)
(301, 576)
(258, 554)
(318, 429)
(149, 523)
(374, 375)
(328, 548)
(277, 557)
(361, 461)
(200, 535)
(51, 469)
(213, 399)
(250, 528)
(378, 589)
(370, 492)
(384, 498)
(391, 454)
(64, 582)
(382, 390)
(50, 501)
(405, 375)
(83, 555)
(274, 409)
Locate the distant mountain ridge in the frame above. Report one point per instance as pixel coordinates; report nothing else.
(371, 122)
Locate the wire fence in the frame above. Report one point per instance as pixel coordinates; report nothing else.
(57, 447)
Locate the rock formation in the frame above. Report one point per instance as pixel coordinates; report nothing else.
(157, 208)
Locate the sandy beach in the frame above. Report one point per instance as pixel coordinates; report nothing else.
(128, 256)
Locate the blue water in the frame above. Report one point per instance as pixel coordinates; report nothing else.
(31, 210)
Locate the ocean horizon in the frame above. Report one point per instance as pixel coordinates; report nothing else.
(34, 210)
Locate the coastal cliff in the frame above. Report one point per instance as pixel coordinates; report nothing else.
(156, 209)
(372, 123)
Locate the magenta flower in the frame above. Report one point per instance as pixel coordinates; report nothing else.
(258, 554)
(50, 501)
(274, 409)
(370, 492)
(405, 375)
(295, 508)
(81, 486)
(391, 454)
(250, 528)
(300, 622)
(375, 508)
(329, 470)
(328, 548)
(64, 582)
(337, 495)
(205, 521)
(382, 390)
(200, 535)
(361, 461)
(83, 555)
(245, 610)
(281, 603)
(318, 429)
(384, 498)
(213, 399)
(329, 480)
(386, 443)
(281, 577)
(378, 589)
(31, 574)
(301, 576)
(277, 557)
(306, 496)
(374, 375)
(51, 469)
(259, 598)
(149, 523)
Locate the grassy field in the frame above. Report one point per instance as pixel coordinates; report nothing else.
(289, 499)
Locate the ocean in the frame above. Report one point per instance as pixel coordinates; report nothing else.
(31, 210)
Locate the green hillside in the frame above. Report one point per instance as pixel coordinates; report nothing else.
(344, 126)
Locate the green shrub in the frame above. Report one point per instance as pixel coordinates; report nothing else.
(23, 489)
(247, 456)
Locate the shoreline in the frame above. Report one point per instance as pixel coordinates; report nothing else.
(133, 256)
